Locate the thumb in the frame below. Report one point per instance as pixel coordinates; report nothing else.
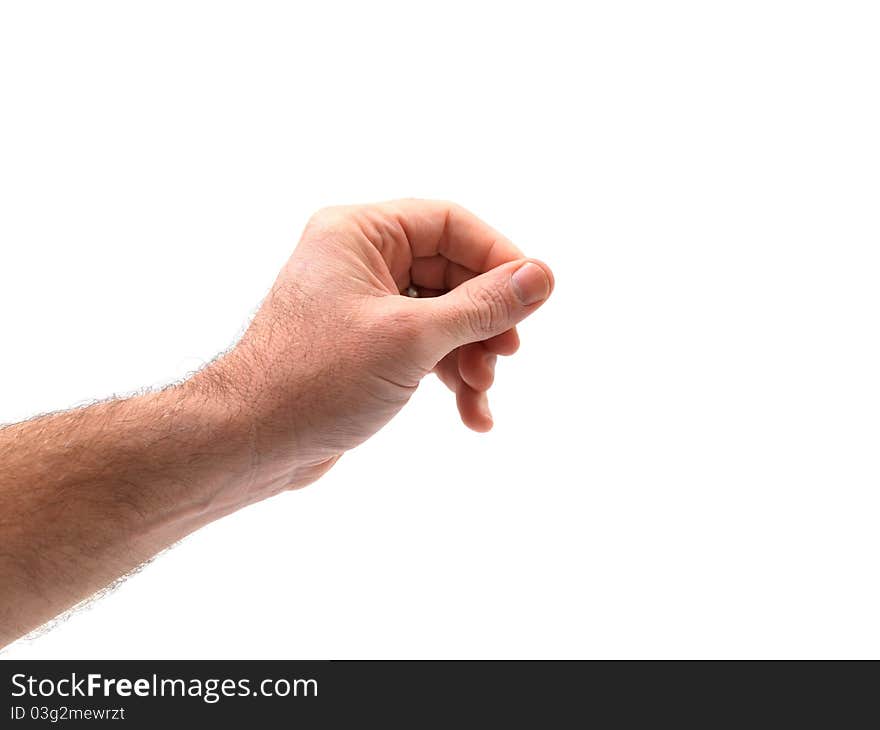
(489, 304)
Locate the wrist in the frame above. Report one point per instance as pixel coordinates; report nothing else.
(257, 425)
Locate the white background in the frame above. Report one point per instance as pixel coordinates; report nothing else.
(685, 459)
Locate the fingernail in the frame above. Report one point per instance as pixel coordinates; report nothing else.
(530, 283)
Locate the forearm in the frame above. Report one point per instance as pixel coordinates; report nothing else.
(331, 356)
(88, 495)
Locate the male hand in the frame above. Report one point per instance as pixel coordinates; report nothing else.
(334, 352)
(338, 348)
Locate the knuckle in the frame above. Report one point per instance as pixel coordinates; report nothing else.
(319, 216)
(453, 208)
(488, 309)
(327, 218)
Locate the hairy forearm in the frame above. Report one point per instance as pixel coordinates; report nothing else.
(88, 495)
(333, 353)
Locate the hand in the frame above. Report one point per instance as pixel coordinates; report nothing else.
(333, 353)
(336, 349)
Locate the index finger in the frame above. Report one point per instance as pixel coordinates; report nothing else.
(441, 227)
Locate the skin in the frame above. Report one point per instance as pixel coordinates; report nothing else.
(332, 355)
